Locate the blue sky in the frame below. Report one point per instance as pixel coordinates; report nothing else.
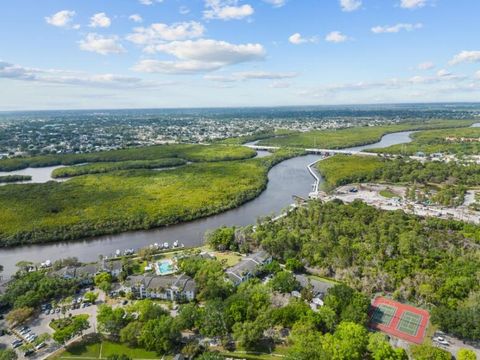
(66, 54)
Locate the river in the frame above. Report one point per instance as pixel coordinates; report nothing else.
(288, 178)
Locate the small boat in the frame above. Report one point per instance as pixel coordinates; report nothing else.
(165, 245)
(183, 245)
(127, 252)
(117, 252)
(175, 244)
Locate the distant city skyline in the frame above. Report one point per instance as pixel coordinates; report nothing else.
(66, 54)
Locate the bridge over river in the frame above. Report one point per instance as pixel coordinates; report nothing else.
(324, 152)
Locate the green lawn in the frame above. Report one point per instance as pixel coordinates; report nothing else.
(388, 194)
(101, 350)
(324, 279)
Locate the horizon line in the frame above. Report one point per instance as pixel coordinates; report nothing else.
(245, 107)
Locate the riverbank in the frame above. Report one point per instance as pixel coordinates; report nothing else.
(89, 206)
(356, 136)
(285, 179)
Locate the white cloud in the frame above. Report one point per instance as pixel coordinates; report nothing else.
(477, 75)
(265, 75)
(103, 45)
(465, 56)
(443, 73)
(100, 20)
(350, 5)
(298, 39)
(251, 75)
(200, 56)
(395, 28)
(336, 37)
(61, 19)
(427, 65)
(441, 80)
(66, 77)
(226, 10)
(149, 2)
(213, 51)
(174, 67)
(159, 33)
(412, 4)
(135, 18)
(279, 85)
(276, 3)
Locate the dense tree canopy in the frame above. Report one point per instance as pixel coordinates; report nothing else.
(30, 289)
(427, 261)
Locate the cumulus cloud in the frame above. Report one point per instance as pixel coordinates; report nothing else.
(100, 20)
(298, 39)
(350, 5)
(336, 37)
(477, 75)
(135, 18)
(61, 19)
(226, 10)
(466, 56)
(276, 3)
(149, 2)
(103, 45)
(158, 33)
(251, 75)
(412, 4)
(200, 56)
(427, 65)
(65, 77)
(434, 82)
(396, 28)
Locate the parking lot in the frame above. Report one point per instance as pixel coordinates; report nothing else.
(452, 344)
(40, 324)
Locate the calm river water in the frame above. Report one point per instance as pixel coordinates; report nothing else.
(288, 178)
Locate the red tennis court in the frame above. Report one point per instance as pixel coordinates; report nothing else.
(403, 321)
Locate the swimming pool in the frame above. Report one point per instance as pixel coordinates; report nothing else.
(165, 267)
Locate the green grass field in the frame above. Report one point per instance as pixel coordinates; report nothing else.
(337, 139)
(388, 194)
(104, 349)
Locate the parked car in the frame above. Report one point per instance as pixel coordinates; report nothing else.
(28, 352)
(41, 345)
